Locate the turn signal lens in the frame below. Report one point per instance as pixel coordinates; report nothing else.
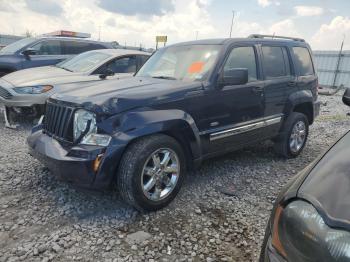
(275, 234)
(97, 162)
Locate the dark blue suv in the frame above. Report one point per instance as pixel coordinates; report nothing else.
(43, 51)
(189, 102)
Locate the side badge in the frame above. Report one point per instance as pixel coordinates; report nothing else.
(212, 124)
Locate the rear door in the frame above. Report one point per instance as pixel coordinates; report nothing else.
(74, 47)
(48, 52)
(279, 82)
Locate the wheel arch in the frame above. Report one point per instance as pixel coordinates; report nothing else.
(174, 123)
(305, 108)
(302, 102)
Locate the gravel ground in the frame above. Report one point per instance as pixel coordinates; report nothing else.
(42, 219)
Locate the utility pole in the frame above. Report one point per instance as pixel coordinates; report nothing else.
(99, 33)
(336, 72)
(233, 17)
(197, 35)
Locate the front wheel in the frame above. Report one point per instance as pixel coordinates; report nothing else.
(293, 137)
(151, 172)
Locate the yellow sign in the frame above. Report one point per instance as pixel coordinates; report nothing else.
(161, 38)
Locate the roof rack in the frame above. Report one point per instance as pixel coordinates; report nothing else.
(276, 36)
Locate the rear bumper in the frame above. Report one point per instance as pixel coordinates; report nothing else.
(75, 164)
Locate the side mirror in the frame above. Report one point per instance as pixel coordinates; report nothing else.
(346, 97)
(108, 72)
(234, 76)
(28, 52)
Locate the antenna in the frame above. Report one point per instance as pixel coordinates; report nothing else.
(233, 17)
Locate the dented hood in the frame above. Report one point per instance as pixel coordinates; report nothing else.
(122, 94)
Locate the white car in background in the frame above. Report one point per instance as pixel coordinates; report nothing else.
(25, 92)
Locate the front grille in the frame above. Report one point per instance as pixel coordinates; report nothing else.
(5, 94)
(58, 121)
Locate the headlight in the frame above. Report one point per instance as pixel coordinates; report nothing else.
(33, 89)
(81, 120)
(302, 235)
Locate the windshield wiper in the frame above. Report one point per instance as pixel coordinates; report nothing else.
(164, 77)
(64, 68)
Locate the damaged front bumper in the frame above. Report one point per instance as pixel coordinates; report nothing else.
(78, 164)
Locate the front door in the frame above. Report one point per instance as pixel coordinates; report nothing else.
(233, 111)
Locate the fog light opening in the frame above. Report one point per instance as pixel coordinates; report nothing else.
(97, 162)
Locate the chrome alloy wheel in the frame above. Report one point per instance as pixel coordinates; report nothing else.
(297, 137)
(160, 174)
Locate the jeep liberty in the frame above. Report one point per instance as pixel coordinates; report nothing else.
(189, 102)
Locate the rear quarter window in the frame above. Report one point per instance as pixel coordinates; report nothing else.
(303, 61)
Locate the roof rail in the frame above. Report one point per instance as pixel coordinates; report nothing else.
(276, 36)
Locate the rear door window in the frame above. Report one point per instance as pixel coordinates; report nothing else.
(303, 61)
(75, 47)
(243, 57)
(93, 46)
(275, 61)
(48, 47)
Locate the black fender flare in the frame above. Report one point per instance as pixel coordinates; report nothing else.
(176, 123)
(297, 98)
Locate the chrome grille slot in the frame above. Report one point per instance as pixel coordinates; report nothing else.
(58, 121)
(5, 94)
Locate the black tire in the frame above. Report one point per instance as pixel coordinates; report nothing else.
(282, 143)
(131, 167)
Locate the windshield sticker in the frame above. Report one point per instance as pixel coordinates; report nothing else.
(196, 67)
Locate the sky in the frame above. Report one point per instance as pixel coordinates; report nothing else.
(322, 23)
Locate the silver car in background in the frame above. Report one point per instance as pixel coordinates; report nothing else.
(25, 92)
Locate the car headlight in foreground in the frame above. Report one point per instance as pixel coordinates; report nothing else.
(300, 234)
(34, 90)
(85, 129)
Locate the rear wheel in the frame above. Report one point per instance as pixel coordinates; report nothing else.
(293, 137)
(151, 172)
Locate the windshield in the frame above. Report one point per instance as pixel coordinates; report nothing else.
(84, 62)
(14, 47)
(187, 63)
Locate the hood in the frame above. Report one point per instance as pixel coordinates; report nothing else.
(327, 186)
(121, 94)
(41, 76)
